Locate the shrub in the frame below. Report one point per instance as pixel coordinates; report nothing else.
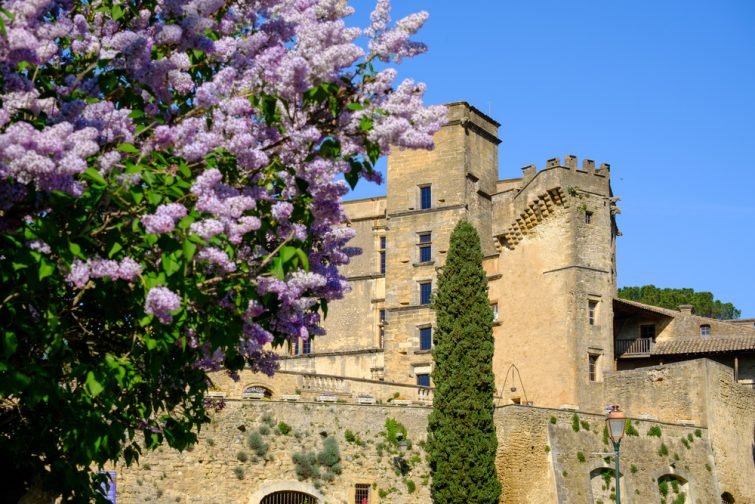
(654, 431)
(690, 438)
(284, 428)
(663, 487)
(305, 465)
(630, 430)
(685, 443)
(698, 433)
(239, 472)
(268, 419)
(547, 449)
(242, 456)
(663, 450)
(553, 420)
(581, 456)
(330, 454)
(633, 469)
(585, 424)
(605, 435)
(349, 436)
(410, 486)
(264, 430)
(256, 444)
(575, 423)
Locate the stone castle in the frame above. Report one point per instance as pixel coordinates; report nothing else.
(566, 347)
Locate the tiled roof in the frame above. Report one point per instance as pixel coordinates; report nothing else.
(704, 345)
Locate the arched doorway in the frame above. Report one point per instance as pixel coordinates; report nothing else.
(727, 498)
(257, 392)
(289, 497)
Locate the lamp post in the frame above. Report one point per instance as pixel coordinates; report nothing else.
(616, 420)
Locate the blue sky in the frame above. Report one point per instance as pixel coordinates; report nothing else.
(663, 91)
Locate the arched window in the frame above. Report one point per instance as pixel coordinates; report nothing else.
(289, 497)
(673, 489)
(257, 392)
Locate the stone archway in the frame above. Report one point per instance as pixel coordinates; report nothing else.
(286, 492)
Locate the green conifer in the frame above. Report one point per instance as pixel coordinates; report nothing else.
(461, 433)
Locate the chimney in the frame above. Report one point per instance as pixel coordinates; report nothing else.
(686, 309)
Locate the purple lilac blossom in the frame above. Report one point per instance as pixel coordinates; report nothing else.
(160, 302)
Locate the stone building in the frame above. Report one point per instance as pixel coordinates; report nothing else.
(566, 347)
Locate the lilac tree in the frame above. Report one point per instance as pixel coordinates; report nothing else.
(170, 184)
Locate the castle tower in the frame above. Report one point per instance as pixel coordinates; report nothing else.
(428, 193)
(556, 232)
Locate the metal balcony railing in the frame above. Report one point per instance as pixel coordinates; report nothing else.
(637, 346)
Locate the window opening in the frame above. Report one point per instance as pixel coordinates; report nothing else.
(588, 217)
(382, 255)
(423, 380)
(425, 338)
(425, 293)
(306, 346)
(647, 331)
(592, 308)
(381, 329)
(494, 307)
(593, 367)
(425, 247)
(361, 493)
(425, 197)
(705, 330)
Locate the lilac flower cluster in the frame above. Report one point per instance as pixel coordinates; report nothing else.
(272, 48)
(80, 273)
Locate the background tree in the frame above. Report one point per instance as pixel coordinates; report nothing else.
(461, 435)
(704, 303)
(170, 183)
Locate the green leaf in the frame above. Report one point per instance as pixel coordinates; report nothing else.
(117, 11)
(170, 264)
(189, 250)
(76, 250)
(303, 259)
(276, 268)
(124, 147)
(46, 268)
(94, 176)
(287, 253)
(92, 386)
(355, 106)
(117, 247)
(136, 114)
(366, 123)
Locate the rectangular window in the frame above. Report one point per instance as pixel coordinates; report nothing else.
(423, 380)
(425, 197)
(494, 307)
(588, 217)
(592, 309)
(425, 247)
(425, 292)
(425, 338)
(382, 255)
(294, 347)
(593, 367)
(647, 331)
(361, 493)
(381, 329)
(705, 330)
(306, 346)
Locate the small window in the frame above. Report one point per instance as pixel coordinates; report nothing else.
(423, 380)
(381, 329)
(593, 367)
(647, 331)
(425, 293)
(361, 493)
(425, 338)
(382, 255)
(425, 247)
(705, 330)
(588, 217)
(425, 197)
(494, 307)
(592, 309)
(306, 346)
(293, 347)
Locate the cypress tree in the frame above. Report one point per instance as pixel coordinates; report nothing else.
(461, 434)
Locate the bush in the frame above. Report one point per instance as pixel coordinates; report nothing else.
(264, 430)
(575, 423)
(284, 428)
(268, 419)
(581, 456)
(349, 436)
(585, 424)
(630, 430)
(685, 443)
(552, 420)
(605, 435)
(256, 444)
(330, 454)
(663, 450)
(242, 456)
(698, 433)
(410, 486)
(305, 465)
(654, 431)
(239, 472)
(633, 469)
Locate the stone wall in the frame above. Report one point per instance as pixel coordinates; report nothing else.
(223, 469)
(544, 455)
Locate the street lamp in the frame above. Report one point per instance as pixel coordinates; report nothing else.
(615, 421)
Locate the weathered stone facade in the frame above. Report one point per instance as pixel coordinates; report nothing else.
(564, 343)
